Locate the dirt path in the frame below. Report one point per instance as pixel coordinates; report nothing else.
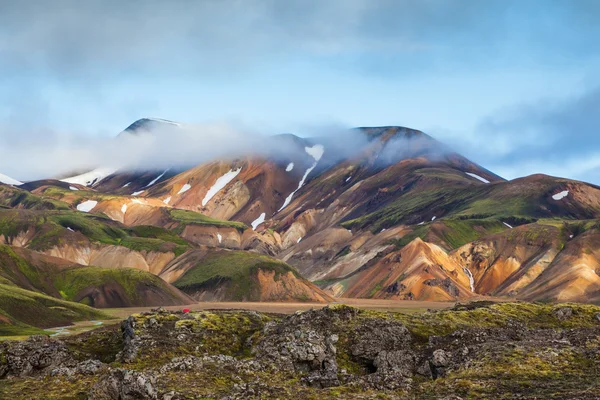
(290, 308)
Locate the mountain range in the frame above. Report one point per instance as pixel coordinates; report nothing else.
(375, 212)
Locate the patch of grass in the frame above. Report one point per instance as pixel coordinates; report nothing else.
(238, 268)
(186, 217)
(50, 228)
(72, 281)
(17, 198)
(489, 315)
(41, 311)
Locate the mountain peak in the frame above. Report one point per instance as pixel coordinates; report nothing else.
(148, 124)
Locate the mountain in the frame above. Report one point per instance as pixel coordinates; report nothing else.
(382, 213)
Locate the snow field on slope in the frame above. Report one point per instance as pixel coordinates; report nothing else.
(9, 181)
(87, 205)
(220, 184)
(477, 177)
(561, 195)
(91, 177)
(184, 188)
(258, 221)
(315, 152)
(157, 178)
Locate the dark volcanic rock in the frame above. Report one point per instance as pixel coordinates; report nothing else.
(37, 355)
(120, 384)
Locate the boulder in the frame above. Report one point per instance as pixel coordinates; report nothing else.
(121, 384)
(37, 355)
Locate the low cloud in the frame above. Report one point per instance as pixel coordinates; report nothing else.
(554, 137)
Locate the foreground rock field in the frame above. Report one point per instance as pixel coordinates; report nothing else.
(478, 350)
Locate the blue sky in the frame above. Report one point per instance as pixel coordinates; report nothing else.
(512, 84)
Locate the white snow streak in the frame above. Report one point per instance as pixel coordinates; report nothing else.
(561, 195)
(90, 178)
(220, 184)
(9, 181)
(315, 152)
(434, 217)
(348, 178)
(137, 201)
(87, 205)
(299, 240)
(184, 188)
(127, 184)
(124, 208)
(508, 225)
(477, 177)
(137, 193)
(258, 221)
(471, 279)
(289, 167)
(167, 200)
(157, 178)
(73, 188)
(71, 229)
(219, 237)
(288, 199)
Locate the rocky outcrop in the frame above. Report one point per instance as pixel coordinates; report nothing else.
(36, 356)
(507, 350)
(120, 384)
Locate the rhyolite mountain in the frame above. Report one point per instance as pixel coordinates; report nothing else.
(382, 212)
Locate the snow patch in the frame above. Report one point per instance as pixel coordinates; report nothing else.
(421, 223)
(124, 208)
(167, 200)
(73, 188)
(137, 201)
(383, 230)
(157, 178)
(220, 184)
(471, 279)
(561, 195)
(9, 181)
(434, 218)
(477, 177)
(315, 151)
(258, 221)
(184, 188)
(348, 178)
(288, 199)
(71, 229)
(90, 178)
(219, 237)
(125, 185)
(87, 205)
(137, 193)
(299, 240)
(289, 167)
(508, 225)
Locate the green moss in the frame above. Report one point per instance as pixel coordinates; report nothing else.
(238, 268)
(186, 217)
(488, 315)
(51, 226)
(41, 311)
(17, 198)
(72, 282)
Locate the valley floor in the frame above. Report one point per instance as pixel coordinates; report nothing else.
(405, 306)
